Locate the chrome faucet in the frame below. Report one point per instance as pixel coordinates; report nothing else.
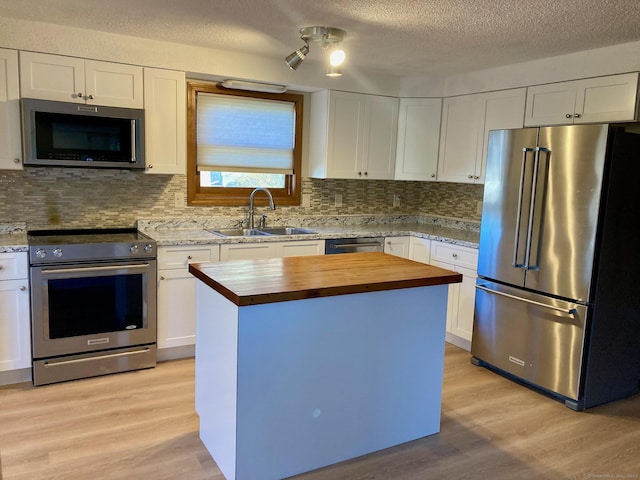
(272, 206)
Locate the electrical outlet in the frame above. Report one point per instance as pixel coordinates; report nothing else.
(479, 207)
(178, 199)
(306, 201)
(396, 200)
(338, 200)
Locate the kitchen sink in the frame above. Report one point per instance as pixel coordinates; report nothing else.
(251, 232)
(286, 231)
(239, 232)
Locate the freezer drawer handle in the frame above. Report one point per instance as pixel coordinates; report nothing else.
(348, 245)
(570, 311)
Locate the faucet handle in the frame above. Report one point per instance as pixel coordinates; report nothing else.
(263, 221)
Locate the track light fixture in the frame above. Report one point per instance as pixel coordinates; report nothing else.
(329, 38)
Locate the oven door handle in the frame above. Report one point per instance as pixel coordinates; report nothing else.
(140, 266)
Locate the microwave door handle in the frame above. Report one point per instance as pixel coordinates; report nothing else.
(134, 158)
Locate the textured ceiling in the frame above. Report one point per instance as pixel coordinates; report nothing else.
(402, 37)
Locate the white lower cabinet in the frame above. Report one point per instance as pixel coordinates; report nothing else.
(247, 251)
(15, 340)
(420, 249)
(177, 293)
(398, 246)
(300, 248)
(460, 309)
(254, 251)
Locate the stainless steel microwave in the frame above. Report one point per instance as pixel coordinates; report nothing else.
(79, 135)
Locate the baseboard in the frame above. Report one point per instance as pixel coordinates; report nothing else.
(15, 376)
(173, 353)
(459, 342)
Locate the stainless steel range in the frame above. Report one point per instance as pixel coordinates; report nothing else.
(93, 302)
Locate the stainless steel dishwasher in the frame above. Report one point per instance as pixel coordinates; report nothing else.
(353, 245)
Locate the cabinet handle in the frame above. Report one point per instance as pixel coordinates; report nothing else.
(77, 95)
(1, 267)
(366, 173)
(162, 277)
(470, 177)
(568, 115)
(150, 166)
(23, 288)
(454, 255)
(433, 175)
(476, 177)
(576, 115)
(189, 257)
(16, 160)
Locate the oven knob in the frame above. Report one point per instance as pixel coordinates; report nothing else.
(57, 252)
(41, 253)
(134, 248)
(148, 248)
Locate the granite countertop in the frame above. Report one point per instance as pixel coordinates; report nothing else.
(13, 237)
(254, 282)
(201, 236)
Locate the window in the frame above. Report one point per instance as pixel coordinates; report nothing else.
(240, 140)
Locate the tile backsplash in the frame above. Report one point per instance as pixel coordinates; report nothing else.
(76, 197)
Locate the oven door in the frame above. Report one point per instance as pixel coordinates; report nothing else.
(90, 307)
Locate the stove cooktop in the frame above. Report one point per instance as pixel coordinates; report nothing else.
(63, 246)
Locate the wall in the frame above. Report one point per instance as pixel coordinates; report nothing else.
(77, 197)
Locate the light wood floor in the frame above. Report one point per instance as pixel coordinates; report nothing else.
(142, 425)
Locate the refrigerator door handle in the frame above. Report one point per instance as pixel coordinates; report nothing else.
(515, 263)
(534, 194)
(567, 311)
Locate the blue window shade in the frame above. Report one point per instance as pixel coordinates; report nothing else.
(242, 134)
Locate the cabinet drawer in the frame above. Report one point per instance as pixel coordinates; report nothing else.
(454, 254)
(181, 257)
(13, 266)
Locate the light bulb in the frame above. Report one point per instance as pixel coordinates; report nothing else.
(337, 57)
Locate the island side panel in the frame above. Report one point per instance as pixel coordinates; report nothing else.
(327, 379)
(216, 375)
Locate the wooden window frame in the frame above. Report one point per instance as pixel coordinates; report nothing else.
(208, 196)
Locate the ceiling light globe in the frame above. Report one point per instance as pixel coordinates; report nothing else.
(337, 57)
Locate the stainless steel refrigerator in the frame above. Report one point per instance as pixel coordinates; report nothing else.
(558, 291)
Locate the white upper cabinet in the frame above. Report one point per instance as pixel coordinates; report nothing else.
(10, 144)
(592, 100)
(352, 135)
(165, 103)
(418, 139)
(69, 79)
(466, 122)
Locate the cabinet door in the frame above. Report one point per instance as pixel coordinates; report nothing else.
(15, 341)
(503, 109)
(10, 139)
(381, 127)
(300, 248)
(346, 135)
(418, 139)
(460, 138)
(114, 84)
(247, 251)
(462, 324)
(398, 246)
(552, 104)
(420, 249)
(176, 308)
(52, 77)
(607, 99)
(165, 121)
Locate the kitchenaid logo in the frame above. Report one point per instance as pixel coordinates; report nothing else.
(516, 360)
(98, 341)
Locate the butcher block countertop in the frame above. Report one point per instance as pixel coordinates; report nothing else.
(254, 282)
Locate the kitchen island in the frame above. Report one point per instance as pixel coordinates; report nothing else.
(303, 362)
